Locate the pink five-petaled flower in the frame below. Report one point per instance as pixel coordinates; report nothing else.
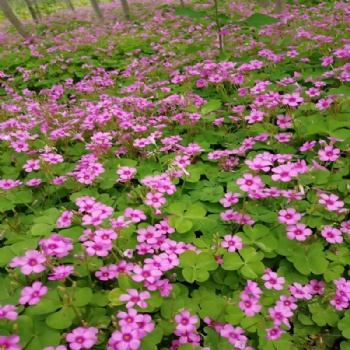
(272, 280)
(292, 99)
(280, 315)
(126, 339)
(155, 200)
(298, 232)
(287, 302)
(329, 154)
(185, 322)
(234, 335)
(125, 173)
(288, 216)
(248, 304)
(299, 292)
(10, 343)
(135, 298)
(332, 201)
(233, 243)
(143, 323)
(284, 173)
(33, 294)
(274, 333)
(147, 273)
(249, 182)
(229, 199)
(9, 312)
(82, 338)
(332, 235)
(135, 215)
(31, 262)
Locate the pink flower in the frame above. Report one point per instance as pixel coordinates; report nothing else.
(298, 232)
(126, 339)
(65, 219)
(300, 292)
(249, 305)
(274, 333)
(280, 315)
(125, 173)
(31, 262)
(316, 287)
(9, 312)
(234, 335)
(185, 322)
(323, 103)
(135, 298)
(61, 272)
(33, 294)
(233, 243)
(272, 280)
(329, 154)
(345, 227)
(288, 216)
(292, 99)
(156, 200)
(82, 338)
(249, 182)
(135, 215)
(332, 235)
(10, 343)
(34, 182)
(284, 173)
(229, 199)
(332, 201)
(287, 302)
(31, 165)
(307, 146)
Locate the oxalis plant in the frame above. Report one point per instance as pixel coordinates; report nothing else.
(153, 196)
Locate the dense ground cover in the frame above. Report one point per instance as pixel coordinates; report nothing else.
(158, 193)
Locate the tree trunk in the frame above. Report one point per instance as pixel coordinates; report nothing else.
(280, 6)
(97, 9)
(264, 3)
(37, 9)
(182, 4)
(126, 9)
(31, 10)
(70, 5)
(6, 9)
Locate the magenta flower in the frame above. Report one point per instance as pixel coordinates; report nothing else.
(59, 347)
(155, 200)
(135, 215)
(82, 338)
(61, 272)
(33, 294)
(280, 315)
(126, 339)
(299, 232)
(274, 333)
(292, 99)
(249, 182)
(9, 312)
(329, 154)
(316, 287)
(331, 201)
(234, 335)
(288, 216)
(345, 227)
(233, 243)
(332, 235)
(299, 292)
(185, 322)
(135, 298)
(10, 343)
(126, 173)
(249, 305)
(284, 173)
(31, 262)
(272, 280)
(229, 199)
(287, 302)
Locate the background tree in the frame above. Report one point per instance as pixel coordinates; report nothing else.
(6, 9)
(37, 9)
(97, 9)
(126, 9)
(31, 10)
(70, 5)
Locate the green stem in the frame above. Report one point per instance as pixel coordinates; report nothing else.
(218, 26)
